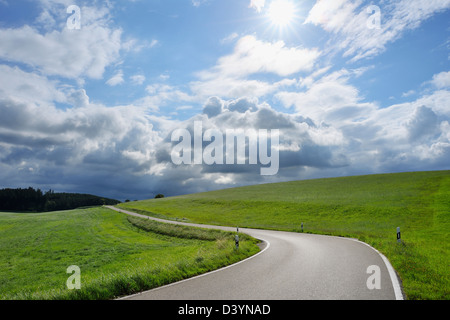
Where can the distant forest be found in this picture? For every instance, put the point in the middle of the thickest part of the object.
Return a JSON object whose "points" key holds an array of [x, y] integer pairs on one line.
{"points": [[31, 200]]}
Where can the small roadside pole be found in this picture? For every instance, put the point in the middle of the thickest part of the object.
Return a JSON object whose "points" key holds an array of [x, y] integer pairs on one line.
{"points": [[236, 240], [302, 227], [399, 238]]}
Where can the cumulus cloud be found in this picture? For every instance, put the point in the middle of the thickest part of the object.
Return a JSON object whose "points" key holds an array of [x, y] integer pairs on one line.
{"points": [[329, 98], [79, 98], [52, 134], [441, 80], [63, 52], [411, 135], [29, 87], [424, 123], [231, 87], [302, 143], [91, 139], [213, 107], [88, 144], [160, 94], [252, 56], [243, 105], [332, 130], [231, 76]]}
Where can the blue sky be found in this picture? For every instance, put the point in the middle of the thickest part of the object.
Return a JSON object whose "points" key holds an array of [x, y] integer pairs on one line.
{"points": [[92, 109]]}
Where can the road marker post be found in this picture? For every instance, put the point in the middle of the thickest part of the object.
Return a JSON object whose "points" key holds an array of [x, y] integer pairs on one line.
{"points": [[236, 240], [399, 237], [302, 227]]}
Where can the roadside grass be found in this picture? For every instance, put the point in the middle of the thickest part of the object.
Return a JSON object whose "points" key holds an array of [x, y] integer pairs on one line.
{"points": [[368, 208], [117, 254]]}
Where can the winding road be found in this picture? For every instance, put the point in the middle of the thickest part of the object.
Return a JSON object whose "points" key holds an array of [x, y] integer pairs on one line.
{"points": [[290, 266]]}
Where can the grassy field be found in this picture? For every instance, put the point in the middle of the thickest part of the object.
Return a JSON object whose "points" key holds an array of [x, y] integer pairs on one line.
{"points": [[117, 254], [369, 208]]}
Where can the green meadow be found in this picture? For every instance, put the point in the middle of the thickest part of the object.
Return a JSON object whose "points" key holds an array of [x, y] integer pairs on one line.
{"points": [[117, 254], [368, 208]]}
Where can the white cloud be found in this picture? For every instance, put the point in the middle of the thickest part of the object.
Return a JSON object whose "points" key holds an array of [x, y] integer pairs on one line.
{"points": [[79, 98], [330, 128], [138, 79], [257, 4], [229, 78], [329, 98], [441, 80], [213, 107], [94, 139], [253, 56], [198, 3], [135, 45], [164, 77], [423, 124], [100, 141], [230, 38], [161, 94], [348, 21], [28, 87], [234, 88], [63, 52], [408, 136], [116, 79], [408, 93], [332, 15]]}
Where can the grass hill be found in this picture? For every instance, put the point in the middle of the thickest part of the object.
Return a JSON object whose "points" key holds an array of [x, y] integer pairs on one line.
{"points": [[369, 208], [117, 254]]}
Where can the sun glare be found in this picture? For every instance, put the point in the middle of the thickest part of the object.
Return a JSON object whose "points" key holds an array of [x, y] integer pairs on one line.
{"points": [[281, 12]]}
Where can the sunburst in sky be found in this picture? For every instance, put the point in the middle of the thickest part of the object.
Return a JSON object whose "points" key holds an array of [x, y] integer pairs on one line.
{"points": [[281, 12]]}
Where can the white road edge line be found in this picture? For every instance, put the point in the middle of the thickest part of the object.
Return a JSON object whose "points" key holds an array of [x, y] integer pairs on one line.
{"points": [[393, 275], [188, 279], [200, 275]]}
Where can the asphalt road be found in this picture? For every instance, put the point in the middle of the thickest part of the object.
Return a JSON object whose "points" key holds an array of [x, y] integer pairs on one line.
{"points": [[291, 266]]}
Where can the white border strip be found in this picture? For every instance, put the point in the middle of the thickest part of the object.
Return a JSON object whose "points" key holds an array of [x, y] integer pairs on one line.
{"points": [[181, 223], [200, 275], [392, 274], [394, 279]]}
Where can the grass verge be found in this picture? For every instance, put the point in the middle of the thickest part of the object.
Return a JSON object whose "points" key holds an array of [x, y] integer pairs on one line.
{"points": [[117, 255], [368, 208]]}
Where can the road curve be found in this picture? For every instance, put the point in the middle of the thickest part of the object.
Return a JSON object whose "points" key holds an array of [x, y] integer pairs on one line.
{"points": [[292, 266]]}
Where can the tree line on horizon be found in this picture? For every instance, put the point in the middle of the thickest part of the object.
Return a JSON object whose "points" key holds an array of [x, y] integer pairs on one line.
{"points": [[34, 200]]}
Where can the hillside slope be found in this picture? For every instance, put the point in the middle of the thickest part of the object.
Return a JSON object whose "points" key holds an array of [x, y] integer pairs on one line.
{"points": [[369, 208], [116, 254]]}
